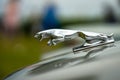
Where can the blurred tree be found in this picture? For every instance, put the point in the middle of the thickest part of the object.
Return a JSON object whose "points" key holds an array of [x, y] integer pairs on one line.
{"points": [[109, 14]]}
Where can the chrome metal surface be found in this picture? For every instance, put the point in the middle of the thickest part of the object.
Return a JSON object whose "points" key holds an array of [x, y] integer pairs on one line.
{"points": [[59, 35], [97, 63], [91, 39], [80, 48]]}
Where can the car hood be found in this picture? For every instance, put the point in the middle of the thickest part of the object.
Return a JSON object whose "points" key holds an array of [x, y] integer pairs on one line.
{"points": [[99, 63]]}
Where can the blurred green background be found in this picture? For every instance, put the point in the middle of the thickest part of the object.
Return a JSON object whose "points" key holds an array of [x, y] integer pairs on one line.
{"points": [[19, 52]]}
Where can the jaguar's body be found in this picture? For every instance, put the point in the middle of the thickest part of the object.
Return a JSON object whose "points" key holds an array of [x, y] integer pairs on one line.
{"points": [[60, 35]]}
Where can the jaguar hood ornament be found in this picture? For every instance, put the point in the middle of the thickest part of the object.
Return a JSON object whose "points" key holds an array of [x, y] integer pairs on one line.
{"points": [[56, 36]]}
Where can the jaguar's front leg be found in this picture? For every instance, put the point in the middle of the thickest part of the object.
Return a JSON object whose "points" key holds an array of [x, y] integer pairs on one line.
{"points": [[50, 43]]}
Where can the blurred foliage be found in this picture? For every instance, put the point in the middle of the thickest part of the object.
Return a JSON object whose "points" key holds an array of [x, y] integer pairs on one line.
{"points": [[18, 52], [79, 20]]}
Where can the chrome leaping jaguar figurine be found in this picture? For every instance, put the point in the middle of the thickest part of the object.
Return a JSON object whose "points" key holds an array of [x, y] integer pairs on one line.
{"points": [[60, 35]]}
